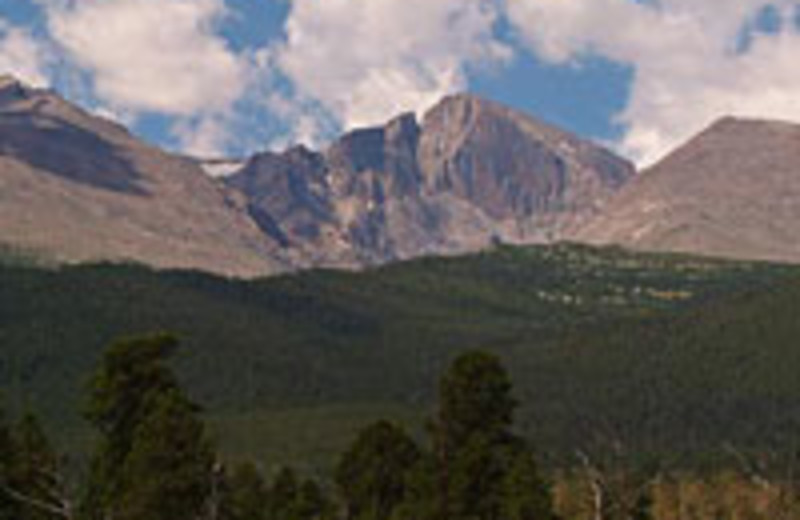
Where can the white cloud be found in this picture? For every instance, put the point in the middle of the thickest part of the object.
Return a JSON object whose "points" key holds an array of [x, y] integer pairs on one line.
{"points": [[22, 56], [151, 55], [367, 61], [206, 136], [688, 69], [308, 123], [160, 57]]}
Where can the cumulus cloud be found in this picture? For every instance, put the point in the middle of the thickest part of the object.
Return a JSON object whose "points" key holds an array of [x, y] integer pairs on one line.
{"points": [[151, 55], [308, 122], [22, 56], [206, 136], [689, 64], [351, 63], [366, 61]]}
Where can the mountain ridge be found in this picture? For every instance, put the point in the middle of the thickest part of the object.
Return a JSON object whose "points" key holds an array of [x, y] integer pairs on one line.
{"points": [[732, 191], [76, 187], [470, 173], [467, 174]]}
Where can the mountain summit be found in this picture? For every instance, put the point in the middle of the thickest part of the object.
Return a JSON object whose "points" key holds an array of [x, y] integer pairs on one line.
{"points": [[471, 173], [75, 187], [732, 191]]}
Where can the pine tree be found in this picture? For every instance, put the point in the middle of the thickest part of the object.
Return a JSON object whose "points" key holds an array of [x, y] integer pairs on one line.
{"points": [[37, 474], [482, 466], [475, 478], [167, 474], [422, 486], [311, 504], [475, 398], [32, 484], [9, 507], [290, 499], [132, 375], [372, 475], [153, 458], [283, 495], [526, 494], [247, 497]]}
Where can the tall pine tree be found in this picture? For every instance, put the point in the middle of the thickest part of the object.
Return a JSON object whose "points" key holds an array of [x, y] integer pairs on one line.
{"points": [[372, 475], [38, 477], [484, 470], [246, 494], [168, 472], [9, 507], [153, 459], [291, 499]]}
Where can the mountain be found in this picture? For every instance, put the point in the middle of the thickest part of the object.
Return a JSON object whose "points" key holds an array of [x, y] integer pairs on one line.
{"points": [[733, 191], [75, 187], [469, 174]]}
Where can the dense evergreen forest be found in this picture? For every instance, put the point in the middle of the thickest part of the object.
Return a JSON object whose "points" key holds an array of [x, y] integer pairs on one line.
{"points": [[678, 356], [645, 386], [153, 459]]}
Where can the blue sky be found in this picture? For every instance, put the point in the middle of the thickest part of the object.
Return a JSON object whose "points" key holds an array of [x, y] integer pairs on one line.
{"points": [[229, 77]]}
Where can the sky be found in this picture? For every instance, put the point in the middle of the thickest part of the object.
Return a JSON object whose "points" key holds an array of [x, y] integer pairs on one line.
{"points": [[231, 77]]}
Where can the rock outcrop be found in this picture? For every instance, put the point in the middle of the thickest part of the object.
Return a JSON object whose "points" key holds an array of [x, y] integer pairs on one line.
{"points": [[470, 174]]}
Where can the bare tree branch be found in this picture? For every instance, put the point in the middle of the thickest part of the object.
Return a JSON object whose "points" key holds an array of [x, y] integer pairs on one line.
{"points": [[63, 509]]}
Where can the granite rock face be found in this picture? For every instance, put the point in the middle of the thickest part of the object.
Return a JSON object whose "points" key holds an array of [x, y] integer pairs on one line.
{"points": [[75, 187], [733, 191], [470, 174]]}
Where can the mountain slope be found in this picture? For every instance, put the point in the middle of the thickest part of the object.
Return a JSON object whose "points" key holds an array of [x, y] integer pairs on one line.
{"points": [[676, 353], [733, 191], [74, 187], [471, 173]]}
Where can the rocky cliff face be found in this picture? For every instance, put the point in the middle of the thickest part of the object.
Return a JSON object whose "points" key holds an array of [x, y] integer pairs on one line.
{"points": [[733, 191], [512, 167], [470, 173], [75, 187], [473, 172]]}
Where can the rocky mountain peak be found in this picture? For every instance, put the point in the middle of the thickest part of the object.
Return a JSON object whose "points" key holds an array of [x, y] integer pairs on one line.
{"points": [[512, 166], [471, 172], [77, 187], [402, 129], [358, 150], [377, 162], [729, 127], [14, 91], [455, 112], [731, 191], [10, 83]]}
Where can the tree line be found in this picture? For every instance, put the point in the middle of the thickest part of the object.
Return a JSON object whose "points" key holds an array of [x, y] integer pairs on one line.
{"points": [[154, 460]]}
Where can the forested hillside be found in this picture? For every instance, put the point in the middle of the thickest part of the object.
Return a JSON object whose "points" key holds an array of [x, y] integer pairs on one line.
{"points": [[669, 354]]}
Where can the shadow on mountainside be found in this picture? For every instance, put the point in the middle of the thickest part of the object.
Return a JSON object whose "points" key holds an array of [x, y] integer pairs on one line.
{"points": [[69, 152]]}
